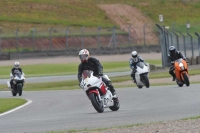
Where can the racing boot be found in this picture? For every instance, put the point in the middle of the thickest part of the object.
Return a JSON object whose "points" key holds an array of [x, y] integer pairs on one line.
{"points": [[173, 78], [173, 75], [134, 80], [133, 77]]}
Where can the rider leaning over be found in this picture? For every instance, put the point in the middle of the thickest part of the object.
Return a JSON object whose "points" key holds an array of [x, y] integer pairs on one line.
{"points": [[133, 61], [91, 63], [172, 56]]}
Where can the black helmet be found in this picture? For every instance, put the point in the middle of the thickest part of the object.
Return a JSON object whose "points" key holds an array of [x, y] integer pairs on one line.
{"points": [[172, 50]]}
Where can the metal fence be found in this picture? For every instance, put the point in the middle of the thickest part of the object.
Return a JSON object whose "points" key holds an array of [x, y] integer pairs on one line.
{"points": [[187, 43], [70, 37]]}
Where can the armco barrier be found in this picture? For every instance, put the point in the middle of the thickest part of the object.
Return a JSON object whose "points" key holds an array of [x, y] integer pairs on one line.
{"points": [[4, 56]]}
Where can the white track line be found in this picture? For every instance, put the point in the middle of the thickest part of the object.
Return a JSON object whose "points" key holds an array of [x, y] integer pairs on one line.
{"points": [[12, 110]]}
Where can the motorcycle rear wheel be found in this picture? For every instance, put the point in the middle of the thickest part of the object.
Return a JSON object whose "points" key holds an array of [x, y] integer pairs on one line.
{"points": [[97, 104]]}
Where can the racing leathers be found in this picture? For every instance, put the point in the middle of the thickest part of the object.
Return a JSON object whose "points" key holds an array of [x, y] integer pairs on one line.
{"points": [[171, 59], [132, 64], [94, 65]]}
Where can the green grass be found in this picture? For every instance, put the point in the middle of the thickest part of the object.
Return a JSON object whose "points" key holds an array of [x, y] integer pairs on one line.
{"points": [[10, 103], [61, 13], [191, 118], [66, 69], [74, 84], [153, 75], [15, 50]]}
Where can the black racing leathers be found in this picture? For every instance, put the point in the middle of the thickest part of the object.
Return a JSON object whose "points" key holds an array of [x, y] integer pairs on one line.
{"points": [[175, 56], [94, 65], [171, 59]]}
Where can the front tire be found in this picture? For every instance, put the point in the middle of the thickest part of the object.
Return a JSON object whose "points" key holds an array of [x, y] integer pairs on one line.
{"points": [[146, 81], [19, 88], [97, 104], [13, 91], [139, 86], [116, 105], [186, 79], [14, 94]]}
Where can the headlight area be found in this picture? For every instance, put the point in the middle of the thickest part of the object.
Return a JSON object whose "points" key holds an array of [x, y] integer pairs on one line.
{"points": [[181, 66], [18, 81]]}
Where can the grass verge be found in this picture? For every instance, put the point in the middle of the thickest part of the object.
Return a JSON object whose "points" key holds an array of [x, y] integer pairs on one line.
{"points": [[66, 69], [72, 85], [10, 103]]}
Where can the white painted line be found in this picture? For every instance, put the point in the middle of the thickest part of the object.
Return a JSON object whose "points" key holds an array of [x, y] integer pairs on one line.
{"points": [[12, 110]]}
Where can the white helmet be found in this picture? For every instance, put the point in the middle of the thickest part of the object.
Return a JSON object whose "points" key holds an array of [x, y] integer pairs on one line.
{"points": [[84, 55], [16, 64], [134, 55]]}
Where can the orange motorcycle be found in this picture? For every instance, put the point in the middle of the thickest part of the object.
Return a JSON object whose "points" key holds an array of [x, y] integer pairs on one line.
{"points": [[181, 72]]}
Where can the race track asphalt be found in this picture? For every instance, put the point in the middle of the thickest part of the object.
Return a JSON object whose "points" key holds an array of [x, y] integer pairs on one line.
{"points": [[71, 109]]}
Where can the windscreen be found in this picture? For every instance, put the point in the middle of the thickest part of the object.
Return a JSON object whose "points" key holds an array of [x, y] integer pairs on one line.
{"points": [[86, 74], [178, 60], [140, 64]]}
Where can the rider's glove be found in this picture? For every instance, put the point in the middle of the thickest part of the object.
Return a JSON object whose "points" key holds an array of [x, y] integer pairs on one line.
{"points": [[100, 74]]}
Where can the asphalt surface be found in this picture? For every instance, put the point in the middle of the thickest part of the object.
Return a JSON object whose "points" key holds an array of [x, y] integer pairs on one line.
{"points": [[71, 109]]}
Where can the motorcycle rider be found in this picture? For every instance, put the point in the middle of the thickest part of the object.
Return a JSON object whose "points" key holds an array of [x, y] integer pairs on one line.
{"points": [[172, 56], [133, 61], [16, 67], [91, 63]]}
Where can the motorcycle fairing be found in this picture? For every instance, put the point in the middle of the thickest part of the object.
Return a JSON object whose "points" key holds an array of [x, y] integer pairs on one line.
{"points": [[141, 69], [107, 99], [180, 68], [93, 84]]}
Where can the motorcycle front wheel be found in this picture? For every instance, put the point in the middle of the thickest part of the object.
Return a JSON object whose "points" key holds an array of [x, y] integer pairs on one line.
{"points": [[146, 81], [13, 93], [186, 79], [19, 88], [97, 104]]}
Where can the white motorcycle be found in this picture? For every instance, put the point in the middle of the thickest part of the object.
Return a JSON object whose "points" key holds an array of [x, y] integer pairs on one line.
{"points": [[142, 75], [98, 92], [18, 82]]}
